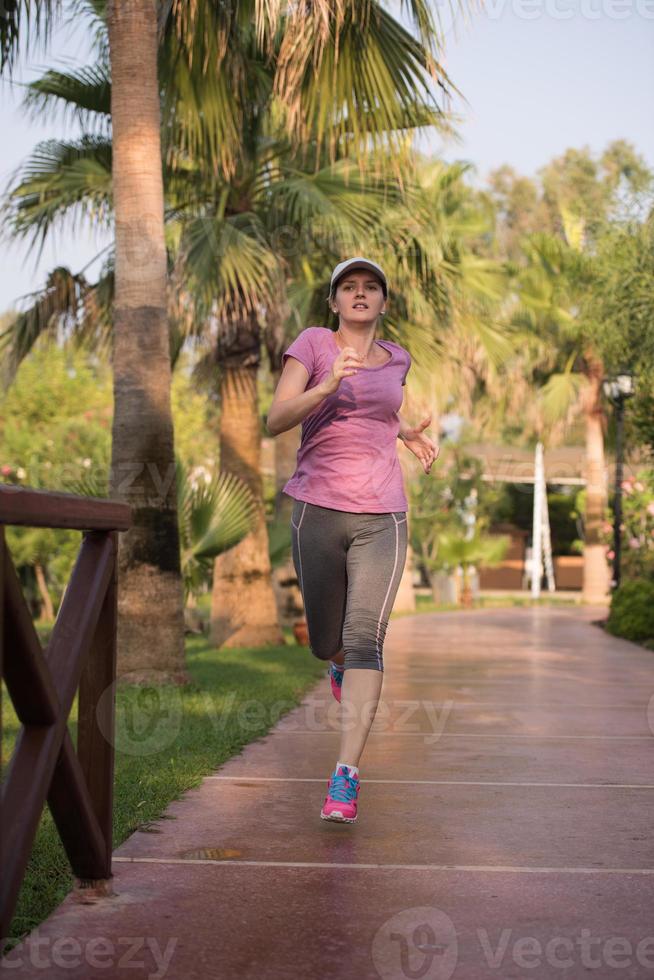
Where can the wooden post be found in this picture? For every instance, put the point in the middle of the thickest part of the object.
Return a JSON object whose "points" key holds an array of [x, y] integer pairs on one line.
{"points": [[96, 721]]}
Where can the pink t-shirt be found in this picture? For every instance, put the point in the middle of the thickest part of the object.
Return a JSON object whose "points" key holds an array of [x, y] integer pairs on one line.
{"points": [[347, 458]]}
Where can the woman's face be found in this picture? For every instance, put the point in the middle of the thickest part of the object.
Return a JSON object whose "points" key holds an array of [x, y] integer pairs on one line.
{"points": [[359, 296]]}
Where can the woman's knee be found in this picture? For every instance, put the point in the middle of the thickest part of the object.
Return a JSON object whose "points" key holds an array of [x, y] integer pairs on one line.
{"points": [[324, 651], [363, 643]]}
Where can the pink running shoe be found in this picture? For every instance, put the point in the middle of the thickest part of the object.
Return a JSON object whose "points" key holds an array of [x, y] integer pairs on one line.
{"points": [[341, 800], [336, 677]]}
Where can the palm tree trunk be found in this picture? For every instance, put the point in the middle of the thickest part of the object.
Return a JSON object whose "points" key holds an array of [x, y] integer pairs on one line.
{"points": [[243, 605], [48, 609], [286, 444], [596, 572], [285, 447], [150, 591], [466, 591]]}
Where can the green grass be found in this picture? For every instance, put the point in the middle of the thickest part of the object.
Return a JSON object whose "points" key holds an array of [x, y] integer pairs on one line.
{"points": [[425, 604], [173, 738], [500, 602]]}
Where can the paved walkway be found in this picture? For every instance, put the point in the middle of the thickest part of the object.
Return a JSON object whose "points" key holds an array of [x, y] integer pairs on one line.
{"points": [[505, 828]]}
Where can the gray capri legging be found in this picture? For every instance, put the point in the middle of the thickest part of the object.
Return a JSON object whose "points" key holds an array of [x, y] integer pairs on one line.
{"points": [[349, 568]]}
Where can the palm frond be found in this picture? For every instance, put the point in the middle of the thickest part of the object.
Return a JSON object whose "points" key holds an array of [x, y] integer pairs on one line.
{"points": [[229, 263], [25, 22], [94, 14], [83, 95], [215, 77], [60, 181], [560, 395], [67, 308], [213, 517], [374, 73], [58, 303], [336, 203]]}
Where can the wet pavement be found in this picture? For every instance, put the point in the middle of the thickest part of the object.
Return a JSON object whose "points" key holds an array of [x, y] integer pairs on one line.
{"points": [[505, 828]]}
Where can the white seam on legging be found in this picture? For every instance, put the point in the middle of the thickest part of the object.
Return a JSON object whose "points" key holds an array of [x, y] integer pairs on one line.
{"points": [[297, 526], [381, 615], [299, 550]]}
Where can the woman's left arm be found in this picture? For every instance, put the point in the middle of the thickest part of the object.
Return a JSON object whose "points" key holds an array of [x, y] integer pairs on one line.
{"points": [[420, 444]]}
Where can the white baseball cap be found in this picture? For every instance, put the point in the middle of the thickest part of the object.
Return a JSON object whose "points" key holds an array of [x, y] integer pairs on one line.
{"points": [[358, 263]]}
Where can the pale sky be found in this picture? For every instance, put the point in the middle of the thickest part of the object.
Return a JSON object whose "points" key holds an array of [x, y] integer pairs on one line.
{"points": [[540, 76]]}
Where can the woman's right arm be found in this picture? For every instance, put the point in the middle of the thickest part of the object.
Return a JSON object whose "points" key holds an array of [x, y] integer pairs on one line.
{"points": [[292, 403]]}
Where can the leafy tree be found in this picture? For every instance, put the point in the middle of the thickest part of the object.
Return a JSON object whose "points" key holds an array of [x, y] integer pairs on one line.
{"points": [[620, 307], [54, 431]]}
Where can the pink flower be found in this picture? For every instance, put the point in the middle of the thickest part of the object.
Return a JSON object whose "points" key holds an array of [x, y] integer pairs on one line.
{"points": [[638, 486], [626, 486], [6, 470], [606, 527], [610, 555], [634, 543]]}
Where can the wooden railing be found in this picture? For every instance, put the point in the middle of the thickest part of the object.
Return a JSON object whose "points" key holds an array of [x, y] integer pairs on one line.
{"points": [[81, 653]]}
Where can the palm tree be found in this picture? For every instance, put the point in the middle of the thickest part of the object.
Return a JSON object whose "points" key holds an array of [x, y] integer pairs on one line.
{"points": [[150, 597], [484, 550]]}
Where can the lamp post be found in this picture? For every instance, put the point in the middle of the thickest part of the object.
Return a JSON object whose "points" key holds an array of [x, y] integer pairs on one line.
{"points": [[618, 389]]}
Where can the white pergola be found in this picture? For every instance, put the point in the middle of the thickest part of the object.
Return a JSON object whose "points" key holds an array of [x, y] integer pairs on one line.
{"points": [[564, 467]]}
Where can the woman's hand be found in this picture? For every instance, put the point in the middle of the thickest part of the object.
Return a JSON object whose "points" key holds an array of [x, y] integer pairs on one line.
{"points": [[345, 364], [420, 444]]}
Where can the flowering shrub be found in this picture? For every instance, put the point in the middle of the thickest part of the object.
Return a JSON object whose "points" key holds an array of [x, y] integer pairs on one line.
{"points": [[637, 558]]}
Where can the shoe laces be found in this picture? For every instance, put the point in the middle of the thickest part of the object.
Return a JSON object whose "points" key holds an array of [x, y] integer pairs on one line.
{"points": [[343, 786]]}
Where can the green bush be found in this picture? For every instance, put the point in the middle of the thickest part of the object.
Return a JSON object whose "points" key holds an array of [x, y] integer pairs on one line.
{"points": [[632, 611]]}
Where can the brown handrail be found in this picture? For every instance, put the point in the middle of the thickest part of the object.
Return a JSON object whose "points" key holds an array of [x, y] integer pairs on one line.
{"points": [[24, 506], [81, 654]]}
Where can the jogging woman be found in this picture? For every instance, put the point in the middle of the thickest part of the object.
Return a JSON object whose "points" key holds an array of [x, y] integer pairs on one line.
{"points": [[349, 521]]}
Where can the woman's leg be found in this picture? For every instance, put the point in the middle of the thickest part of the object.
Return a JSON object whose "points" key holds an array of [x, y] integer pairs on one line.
{"points": [[375, 562], [319, 546]]}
